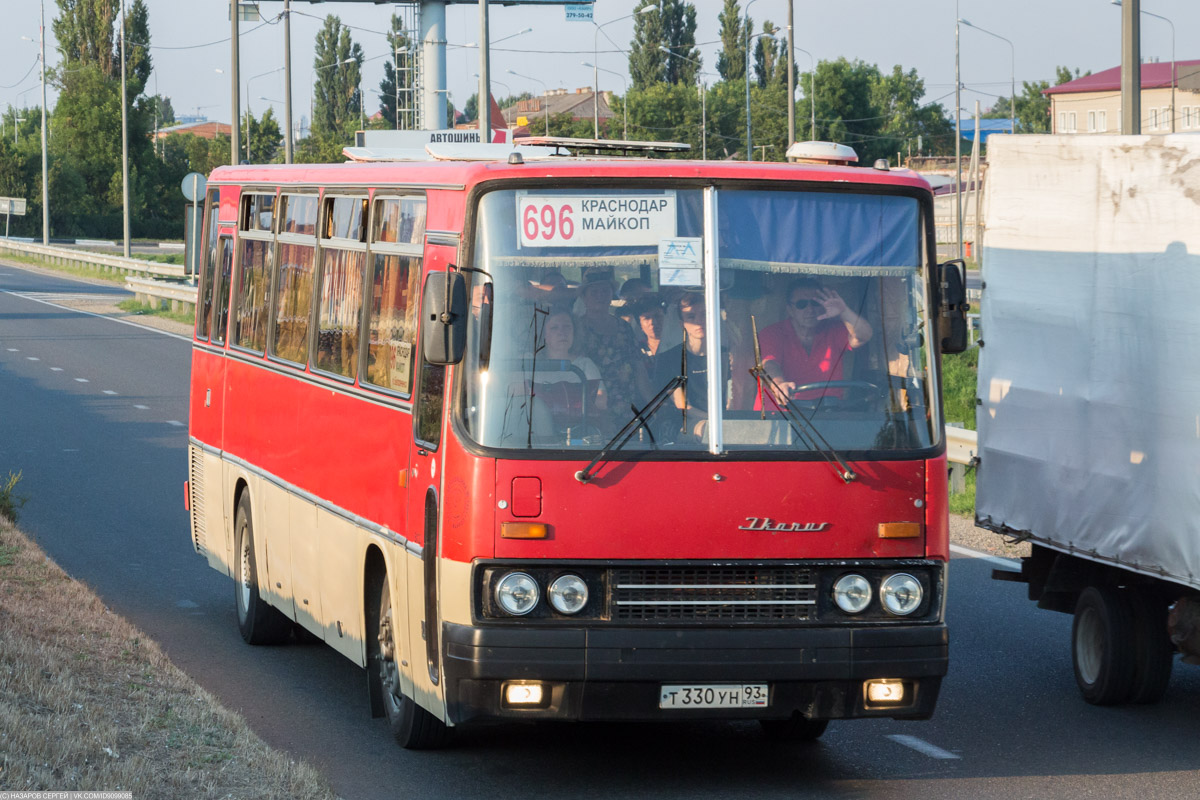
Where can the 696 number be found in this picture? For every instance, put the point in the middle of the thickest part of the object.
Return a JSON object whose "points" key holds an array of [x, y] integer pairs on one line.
{"points": [[547, 222]]}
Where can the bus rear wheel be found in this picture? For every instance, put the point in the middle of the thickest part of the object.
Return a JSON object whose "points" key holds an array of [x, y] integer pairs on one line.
{"points": [[413, 727], [258, 621]]}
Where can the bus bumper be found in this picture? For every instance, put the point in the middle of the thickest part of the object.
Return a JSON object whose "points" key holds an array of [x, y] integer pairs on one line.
{"points": [[619, 673]]}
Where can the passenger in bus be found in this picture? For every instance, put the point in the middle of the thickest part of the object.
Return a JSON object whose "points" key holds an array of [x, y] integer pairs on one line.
{"points": [[649, 318], [690, 360], [808, 346], [560, 362], [632, 292], [609, 342]]}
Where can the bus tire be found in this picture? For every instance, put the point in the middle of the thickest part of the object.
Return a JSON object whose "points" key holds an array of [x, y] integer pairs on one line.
{"points": [[1102, 642], [413, 727], [258, 621], [796, 728], [1153, 653]]}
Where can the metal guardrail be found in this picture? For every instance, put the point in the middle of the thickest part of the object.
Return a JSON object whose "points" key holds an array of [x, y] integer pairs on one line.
{"points": [[82, 258], [962, 445], [178, 296]]}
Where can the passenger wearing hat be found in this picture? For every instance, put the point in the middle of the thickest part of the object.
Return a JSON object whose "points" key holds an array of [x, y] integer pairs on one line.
{"points": [[609, 342]]}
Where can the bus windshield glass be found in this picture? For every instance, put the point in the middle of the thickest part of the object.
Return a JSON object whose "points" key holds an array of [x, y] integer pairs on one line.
{"points": [[597, 310]]}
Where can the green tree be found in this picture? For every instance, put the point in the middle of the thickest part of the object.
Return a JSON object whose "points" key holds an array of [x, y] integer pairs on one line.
{"points": [[397, 77], [1032, 106], [265, 138], [897, 99], [767, 56], [731, 61], [336, 101], [647, 62], [679, 27]]}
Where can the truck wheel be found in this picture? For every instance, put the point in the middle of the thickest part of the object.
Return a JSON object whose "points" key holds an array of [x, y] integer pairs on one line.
{"points": [[413, 727], [797, 728], [1153, 653], [258, 621], [1103, 643]]}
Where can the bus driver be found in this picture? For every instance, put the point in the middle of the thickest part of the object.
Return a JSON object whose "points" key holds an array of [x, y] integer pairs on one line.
{"points": [[807, 346]]}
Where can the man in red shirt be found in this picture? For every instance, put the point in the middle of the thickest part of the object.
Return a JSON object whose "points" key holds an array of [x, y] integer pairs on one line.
{"points": [[808, 345]]}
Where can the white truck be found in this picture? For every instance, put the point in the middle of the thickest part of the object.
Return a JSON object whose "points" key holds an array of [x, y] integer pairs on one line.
{"points": [[1088, 405]]}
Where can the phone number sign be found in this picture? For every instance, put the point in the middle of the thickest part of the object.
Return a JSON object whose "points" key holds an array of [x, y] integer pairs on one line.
{"points": [[561, 220]]}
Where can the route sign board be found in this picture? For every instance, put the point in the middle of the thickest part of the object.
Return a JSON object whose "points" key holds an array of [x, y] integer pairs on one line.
{"points": [[12, 205]]}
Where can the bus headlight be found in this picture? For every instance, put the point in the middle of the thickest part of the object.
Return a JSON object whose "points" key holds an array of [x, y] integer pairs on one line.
{"points": [[568, 594], [901, 594], [852, 593], [517, 593]]}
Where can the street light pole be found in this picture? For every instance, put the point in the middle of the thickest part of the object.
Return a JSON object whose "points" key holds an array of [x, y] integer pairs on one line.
{"points": [[545, 95], [1173, 80], [703, 92], [485, 88], [1012, 52], [287, 79], [624, 97], [812, 92], [791, 68], [125, 141], [45, 169], [234, 84], [958, 222], [596, 60]]}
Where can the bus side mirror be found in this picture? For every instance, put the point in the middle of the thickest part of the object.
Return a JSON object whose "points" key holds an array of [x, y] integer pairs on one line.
{"points": [[952, 313], [444, 318]]}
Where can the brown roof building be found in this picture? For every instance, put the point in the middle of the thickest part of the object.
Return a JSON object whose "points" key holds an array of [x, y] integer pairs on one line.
{"points": [[558, 101], [205, 130], [1092, 104]]}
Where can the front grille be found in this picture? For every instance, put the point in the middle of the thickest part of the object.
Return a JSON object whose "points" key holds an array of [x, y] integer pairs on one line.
{"points": [[713, 594]]}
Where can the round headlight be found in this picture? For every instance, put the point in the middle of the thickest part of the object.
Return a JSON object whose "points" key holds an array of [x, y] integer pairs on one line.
{"points": [[568, 594], [901, 594], [852, 593], [517, 593]]}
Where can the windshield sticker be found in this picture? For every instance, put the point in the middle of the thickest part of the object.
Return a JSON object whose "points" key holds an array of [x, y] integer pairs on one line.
{"points": [[679, 261], [558, 220]]}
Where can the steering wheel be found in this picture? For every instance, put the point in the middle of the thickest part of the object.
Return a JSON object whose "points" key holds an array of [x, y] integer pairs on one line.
{"points": [[865, 392]]}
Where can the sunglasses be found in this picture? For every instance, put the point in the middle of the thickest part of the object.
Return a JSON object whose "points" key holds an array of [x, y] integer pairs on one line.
{"points": [[803, 304]]}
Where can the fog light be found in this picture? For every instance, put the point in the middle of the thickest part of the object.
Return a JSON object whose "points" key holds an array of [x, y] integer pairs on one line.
{"points": [[901, 594], [523, 694], [517, 593], [852, 593], [888, 691], [568, 594]]}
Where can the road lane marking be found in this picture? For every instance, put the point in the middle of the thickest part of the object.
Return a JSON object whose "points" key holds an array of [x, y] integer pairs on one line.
{"points": [[176, 423], [56, 369], [109, 391], [81, 380], [30, 296], [922, 746], [970, 552], [186, 604], [32, 358], [141, 408], [13, 350]]}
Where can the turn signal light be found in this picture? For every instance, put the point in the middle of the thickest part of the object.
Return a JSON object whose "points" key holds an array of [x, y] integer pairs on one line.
{"points": [[899, 530], [524, 530]]}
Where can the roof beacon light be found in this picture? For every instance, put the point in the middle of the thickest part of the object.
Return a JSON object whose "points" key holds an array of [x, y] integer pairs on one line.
{"points": [[822, 153]]}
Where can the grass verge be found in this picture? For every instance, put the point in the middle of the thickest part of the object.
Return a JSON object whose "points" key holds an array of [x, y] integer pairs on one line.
{"points": [[89, 703], [140, 309]]}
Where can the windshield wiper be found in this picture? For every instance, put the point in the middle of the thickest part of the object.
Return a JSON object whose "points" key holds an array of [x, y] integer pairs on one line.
{"points": [[640, 419], [801, 425]]}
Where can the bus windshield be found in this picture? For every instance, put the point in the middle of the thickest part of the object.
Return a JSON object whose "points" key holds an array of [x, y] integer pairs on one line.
{"points": [[600, 309]]}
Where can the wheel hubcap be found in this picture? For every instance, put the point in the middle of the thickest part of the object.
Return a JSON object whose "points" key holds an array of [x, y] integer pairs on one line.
{"points": [[244, 579], [389, 674], [1089, 641]]}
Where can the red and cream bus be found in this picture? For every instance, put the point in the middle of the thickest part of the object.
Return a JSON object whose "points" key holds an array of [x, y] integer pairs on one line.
{"points": [[423, 430]]}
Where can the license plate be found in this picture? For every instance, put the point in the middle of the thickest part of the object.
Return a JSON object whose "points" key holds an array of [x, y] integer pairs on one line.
{"points": [[714, 695]]}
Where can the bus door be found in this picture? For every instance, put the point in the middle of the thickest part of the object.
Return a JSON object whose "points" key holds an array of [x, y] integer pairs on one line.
{"points": [[425, 503]]}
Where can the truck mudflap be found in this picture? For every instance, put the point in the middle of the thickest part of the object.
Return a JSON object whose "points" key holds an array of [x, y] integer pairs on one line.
{"points": [[620, 673]]}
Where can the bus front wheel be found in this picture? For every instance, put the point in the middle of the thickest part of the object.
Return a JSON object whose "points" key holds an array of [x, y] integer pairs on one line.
{"points": [[413, 727], [258, 621]]}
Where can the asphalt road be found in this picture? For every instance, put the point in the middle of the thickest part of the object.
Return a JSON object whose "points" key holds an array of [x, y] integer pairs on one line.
{"points": [[94, 413]]}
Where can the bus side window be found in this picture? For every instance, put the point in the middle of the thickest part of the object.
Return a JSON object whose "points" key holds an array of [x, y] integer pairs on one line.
{"points": [[397, 230], [343, 264], [254, 273], [293, 292], [221, 289], [208, 266]]}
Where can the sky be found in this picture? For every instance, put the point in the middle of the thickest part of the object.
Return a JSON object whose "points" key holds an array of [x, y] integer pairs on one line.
{"points": [[190, 42]]}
